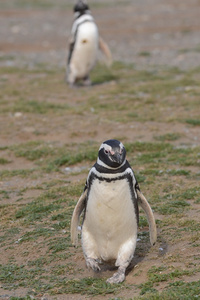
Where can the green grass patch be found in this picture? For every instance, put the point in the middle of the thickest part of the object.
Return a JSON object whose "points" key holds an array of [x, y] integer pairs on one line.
{"points": [[90, 286], [4, 161], [102, 74], [35, 234], [9, 235], [50, 157], [162, 274], [184, 156], [36, 4], [147, 147], [194, 122], [190, 193], [168, 137], [21, 298], [13, 274], [59, 244], [143, 221], [178, 172], [33, 150], [71, 159], [166, 169], [153, 157], [36, 210], [5, 194], [33, 106], [176, 291], [172, 206], [189, 225], [21, 172], [144, 53], [2, 148], [56, 203]]}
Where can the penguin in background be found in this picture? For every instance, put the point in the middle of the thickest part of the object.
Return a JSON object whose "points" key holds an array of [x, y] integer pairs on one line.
{"points": [[84, 46], [110, 204]]}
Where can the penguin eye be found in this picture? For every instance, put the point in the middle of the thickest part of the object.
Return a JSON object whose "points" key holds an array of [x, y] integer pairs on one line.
{"points": [[106, 151]]}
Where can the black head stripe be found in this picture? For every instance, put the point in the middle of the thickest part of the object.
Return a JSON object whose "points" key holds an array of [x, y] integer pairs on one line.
{"points": [[112, 143], [112, 153], [105, 170], [81, 8]]}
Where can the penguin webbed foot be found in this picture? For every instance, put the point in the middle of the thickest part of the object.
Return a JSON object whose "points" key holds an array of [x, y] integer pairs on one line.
{"points": [[92, 264], [118, 277]]}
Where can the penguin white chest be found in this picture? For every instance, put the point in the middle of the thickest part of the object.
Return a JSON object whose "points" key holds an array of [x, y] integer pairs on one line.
{"points": [[85, 50], [110, 216]]}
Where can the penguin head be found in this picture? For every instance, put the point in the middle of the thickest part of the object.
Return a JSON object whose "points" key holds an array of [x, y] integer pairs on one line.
{"points": [[81, 8], [112, 153]]}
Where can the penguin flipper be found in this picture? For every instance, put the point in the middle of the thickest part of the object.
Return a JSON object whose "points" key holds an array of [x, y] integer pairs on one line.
{"points": [[150, 217], [71, 48], [106, 51], [76, 216]]}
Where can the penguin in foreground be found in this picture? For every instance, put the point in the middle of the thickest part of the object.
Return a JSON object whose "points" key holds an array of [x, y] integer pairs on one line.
{"points": [[85, 43], [111, 215]]}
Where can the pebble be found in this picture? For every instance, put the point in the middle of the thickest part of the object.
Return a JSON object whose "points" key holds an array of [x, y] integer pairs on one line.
{"points": [[69, 170], [18, 114]]}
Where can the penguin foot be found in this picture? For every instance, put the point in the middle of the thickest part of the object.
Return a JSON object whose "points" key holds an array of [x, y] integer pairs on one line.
{"points": [[118, 277], [87, 81], [93, 264]]}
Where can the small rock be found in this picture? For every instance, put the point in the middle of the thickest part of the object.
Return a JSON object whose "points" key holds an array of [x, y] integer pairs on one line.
{"points": [[18, 114], [69, 170]]}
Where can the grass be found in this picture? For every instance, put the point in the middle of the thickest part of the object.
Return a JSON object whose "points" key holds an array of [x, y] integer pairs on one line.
{"points": [[152, 92], [33, 4], [35, 210], [49, 4], [33, 150], [20, 172], [37, 197], [4, 161], [172, 136], [91, 286], [193, 122], [176, 290], [159, 274]]}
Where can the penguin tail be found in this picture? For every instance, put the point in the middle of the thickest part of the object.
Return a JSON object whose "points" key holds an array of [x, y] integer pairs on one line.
{"points": [[106, 51], [75, 218], [150, 217]]}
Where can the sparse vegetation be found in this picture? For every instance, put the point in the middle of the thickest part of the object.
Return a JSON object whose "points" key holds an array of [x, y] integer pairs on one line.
{"points": [[50, 139], [158, 165]]}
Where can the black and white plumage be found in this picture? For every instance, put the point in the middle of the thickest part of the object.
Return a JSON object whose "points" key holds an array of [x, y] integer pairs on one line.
{"points": [[110, 204], [84, 45]]}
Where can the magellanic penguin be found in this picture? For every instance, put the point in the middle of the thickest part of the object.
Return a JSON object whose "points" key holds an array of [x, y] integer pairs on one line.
{"points": [[111, 215], [85, 43]]}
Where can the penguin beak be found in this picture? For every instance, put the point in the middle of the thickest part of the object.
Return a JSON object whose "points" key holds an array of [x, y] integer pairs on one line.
{"points": [[118, 157]]}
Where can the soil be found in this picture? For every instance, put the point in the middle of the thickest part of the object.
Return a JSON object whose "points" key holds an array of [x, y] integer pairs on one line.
{"points": [[151, 33], [169, 32]]}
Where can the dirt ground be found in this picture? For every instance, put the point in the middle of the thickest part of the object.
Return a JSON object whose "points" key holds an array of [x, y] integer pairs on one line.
{"points": [[149, 34], [146, 33], [169, 31]]}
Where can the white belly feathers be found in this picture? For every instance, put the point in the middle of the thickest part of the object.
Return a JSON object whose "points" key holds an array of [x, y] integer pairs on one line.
{"points": [[86, 49], [110, 216]]}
